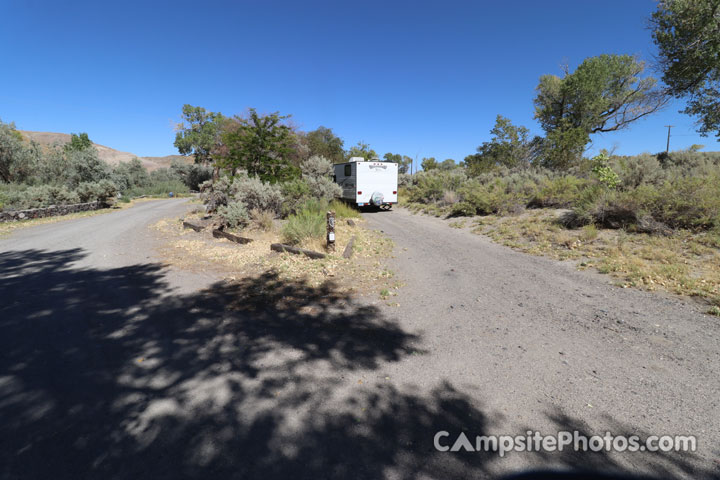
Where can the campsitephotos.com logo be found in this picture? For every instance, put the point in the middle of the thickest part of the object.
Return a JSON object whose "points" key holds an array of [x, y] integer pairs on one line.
{"points": [[563, 440]]}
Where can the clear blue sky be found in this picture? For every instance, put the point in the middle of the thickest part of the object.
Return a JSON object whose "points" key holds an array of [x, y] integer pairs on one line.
{"points": [[415, 77]]}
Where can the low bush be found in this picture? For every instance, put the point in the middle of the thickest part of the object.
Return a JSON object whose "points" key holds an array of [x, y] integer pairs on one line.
{"points": [[103, 191], [258, 195], [559, 192], [689, 202], [323, 188], [160, 188], [307, 223], [216, 194], [463, 209], [234, 215], [295, 192]]}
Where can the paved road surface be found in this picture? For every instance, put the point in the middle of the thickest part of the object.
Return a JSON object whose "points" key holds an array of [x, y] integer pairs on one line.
{"points": [[112, 366]]}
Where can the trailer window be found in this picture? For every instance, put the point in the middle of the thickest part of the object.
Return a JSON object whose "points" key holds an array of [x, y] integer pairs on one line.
{"points": [[348, 170]]}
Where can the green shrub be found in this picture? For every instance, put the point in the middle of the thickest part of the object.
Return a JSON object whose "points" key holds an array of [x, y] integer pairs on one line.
{"points": [[463, 209], [38, 196], [218, 193], [323, 187], [305, 224], [192, 175], [130, 174], [160, 188], [604, 173], [85, 166], [689, 203], [102, 191], [560, 192], [638, 170], [234, 215], [430, 186], [295, 193], [491, 198], [258, 195]]}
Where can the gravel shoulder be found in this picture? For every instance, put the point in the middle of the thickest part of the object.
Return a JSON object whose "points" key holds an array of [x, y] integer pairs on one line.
{"points": [[540, 341]]}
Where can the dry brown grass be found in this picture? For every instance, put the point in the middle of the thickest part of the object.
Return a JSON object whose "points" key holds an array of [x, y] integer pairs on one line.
{"points": [[685, 263], [364, 273]]}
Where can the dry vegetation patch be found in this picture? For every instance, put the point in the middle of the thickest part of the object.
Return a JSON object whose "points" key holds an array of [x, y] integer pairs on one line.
{"points": [[683, 262], [364, 273]]}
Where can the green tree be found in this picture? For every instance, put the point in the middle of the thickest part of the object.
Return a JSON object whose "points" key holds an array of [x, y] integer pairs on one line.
{"points": [[84, 166], [403, 161], [687, 33], [78, 142], [428, 164], [604, 94], [130, 174], [447, 164], [323, 142], [510, 146], [361, 150], [199, 134], [17, 160], [262, 145]]}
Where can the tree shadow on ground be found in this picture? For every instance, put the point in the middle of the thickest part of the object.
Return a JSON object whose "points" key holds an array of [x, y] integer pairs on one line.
{"points": [[104, 374], [107, 374]]}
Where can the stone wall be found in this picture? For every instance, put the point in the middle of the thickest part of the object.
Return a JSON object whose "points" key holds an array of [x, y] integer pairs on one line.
{"points": [[51, 211]]}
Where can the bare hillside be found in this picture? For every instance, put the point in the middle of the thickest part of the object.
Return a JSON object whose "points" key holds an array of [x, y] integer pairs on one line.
{"points": [[109, 155]]}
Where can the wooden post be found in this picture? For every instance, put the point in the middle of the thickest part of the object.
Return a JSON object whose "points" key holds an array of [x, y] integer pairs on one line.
{"points": [[331, 231]]}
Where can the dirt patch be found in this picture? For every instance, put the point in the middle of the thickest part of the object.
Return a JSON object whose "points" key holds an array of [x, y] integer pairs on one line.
{"points": [[364, 273]]}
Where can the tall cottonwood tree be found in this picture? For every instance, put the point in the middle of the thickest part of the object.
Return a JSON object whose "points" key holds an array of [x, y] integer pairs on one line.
{"points": [[604, 94], [687, 33], [199, 135]]}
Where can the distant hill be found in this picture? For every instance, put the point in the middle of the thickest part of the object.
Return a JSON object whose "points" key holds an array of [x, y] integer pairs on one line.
{"points": [[109, 155]]}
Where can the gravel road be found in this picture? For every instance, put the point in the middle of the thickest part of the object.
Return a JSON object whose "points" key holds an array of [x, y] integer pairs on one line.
{"points": [[546, 347], [114, 366]]}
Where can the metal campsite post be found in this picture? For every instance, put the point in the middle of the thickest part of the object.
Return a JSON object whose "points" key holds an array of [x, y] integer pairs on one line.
{"points": [[331, 231]]}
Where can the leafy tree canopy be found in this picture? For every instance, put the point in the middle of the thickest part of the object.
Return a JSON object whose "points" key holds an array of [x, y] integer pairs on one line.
{"points": [[262, 145], [78, 142], [687, 33], [509, 146], [16, 158], [199, 133], [361, 150], [604, 94], [323, 142], [447, 164], [429, 164], [403, 161]]}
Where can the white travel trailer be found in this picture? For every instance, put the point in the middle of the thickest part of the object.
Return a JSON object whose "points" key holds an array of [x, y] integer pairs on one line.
{"points": [[368, 183]]}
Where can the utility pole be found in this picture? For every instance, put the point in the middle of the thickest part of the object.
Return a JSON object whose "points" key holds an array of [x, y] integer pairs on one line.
{"points": [[667, 149]]}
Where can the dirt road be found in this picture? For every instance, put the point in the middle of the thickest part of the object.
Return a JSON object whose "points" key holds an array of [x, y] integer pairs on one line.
{"points": [[113, 366], [543, 346]]}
